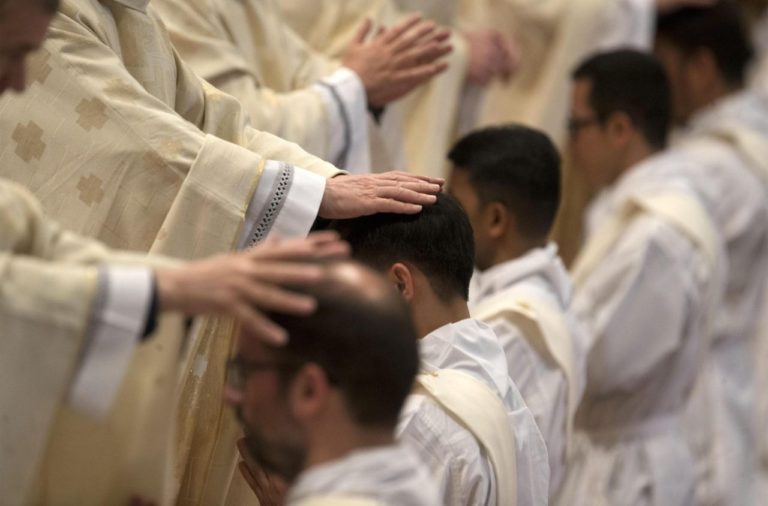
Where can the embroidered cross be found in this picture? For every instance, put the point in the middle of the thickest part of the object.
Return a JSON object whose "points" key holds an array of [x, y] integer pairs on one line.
{"points": [[38, 68], [90, 190], [29, 141], [92, 114]]}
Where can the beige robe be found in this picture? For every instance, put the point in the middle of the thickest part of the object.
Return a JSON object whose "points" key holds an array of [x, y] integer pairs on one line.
{"points": [[120, 140], [245, 49], [424, 122], [49, 281]]}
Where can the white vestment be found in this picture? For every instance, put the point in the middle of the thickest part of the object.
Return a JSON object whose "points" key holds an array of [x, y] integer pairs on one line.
{"points": [[734, 186], [537, 276], [294, 92], [387, 476], [463, 473], [646, 299]]}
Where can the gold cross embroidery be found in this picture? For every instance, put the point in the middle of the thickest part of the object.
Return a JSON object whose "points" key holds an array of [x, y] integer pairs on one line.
{"points": [[90, 190], [29, 141], [92, 114]]}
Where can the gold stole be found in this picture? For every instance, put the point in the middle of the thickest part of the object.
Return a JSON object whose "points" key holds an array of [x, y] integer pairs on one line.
{"points": [[479, 410]]}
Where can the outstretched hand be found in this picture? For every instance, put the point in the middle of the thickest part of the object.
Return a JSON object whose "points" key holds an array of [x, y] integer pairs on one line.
{"points": [[351, 196], [245, 284], [396, 60], [492, 55]]}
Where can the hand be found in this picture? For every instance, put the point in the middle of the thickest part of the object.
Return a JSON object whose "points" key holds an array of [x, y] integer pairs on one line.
{"points": [[396, 60], [491, 55], [391, 192], [269, 489], [670, 5], [244, 284]]}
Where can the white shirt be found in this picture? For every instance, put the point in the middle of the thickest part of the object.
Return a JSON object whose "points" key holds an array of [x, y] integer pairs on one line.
{"points": [[538, 275], [646, 306], [463, 473], [736, 199], [391, 475]]}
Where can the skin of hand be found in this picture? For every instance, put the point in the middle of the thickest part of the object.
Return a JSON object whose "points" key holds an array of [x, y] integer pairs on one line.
{"points": [[351, 196], [670, 5], [269, 489], [244, 284], [396, 60], [491, 55]]}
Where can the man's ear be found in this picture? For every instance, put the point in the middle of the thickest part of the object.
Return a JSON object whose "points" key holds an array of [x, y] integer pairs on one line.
{"points": [[309, 392], [402, 277], [620, 128], [496, 219]]}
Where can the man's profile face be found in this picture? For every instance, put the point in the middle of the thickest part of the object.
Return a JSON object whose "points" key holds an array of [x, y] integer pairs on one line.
{"points": [[465, 194], [273, 435], [589, 144], [23, 26]]}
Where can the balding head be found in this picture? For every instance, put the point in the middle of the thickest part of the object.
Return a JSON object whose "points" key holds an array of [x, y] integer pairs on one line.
{"points": [[362, 336]]}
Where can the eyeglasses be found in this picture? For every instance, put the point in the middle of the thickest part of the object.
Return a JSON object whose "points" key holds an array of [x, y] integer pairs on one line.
{"points": [[239, 369], [576, 124]]}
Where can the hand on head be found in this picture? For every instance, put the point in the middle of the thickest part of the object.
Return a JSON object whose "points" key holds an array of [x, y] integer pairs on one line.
{"points": [[395, 60], [244, 284], [390, 192]]}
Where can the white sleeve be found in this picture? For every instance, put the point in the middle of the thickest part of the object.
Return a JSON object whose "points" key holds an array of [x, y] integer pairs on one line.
{"points": [[285, 203], [347, 105], [628, 23], [118, 321]]}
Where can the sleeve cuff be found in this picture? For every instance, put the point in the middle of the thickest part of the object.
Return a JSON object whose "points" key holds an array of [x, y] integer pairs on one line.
{"points": [[124, 297], [286, 203], [347, 105]]}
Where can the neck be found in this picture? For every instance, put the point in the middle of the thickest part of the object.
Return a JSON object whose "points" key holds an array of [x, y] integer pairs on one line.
{"points": [[717, 91], [342, 437], [636, 153], [513, 249], [435, 313]]}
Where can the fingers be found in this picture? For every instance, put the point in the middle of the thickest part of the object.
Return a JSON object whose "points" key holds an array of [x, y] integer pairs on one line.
{"points": [[423, 55], [267, 297], [391, 34], [257, 325], [413, 36], [317, 246], [363, 31], [400, 176]]}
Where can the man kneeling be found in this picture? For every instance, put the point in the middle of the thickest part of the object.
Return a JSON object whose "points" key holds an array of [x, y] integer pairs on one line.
{"points": [[321, 411]]}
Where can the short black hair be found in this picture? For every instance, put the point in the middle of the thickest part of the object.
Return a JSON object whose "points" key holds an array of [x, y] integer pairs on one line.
{"points": [[517, 166], [366, 343], [438, 241], [634, 83], [721, 28], [49, 6]]}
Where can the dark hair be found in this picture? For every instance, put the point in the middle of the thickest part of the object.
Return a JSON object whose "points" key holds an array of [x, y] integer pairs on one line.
{"points": [[517, 166], [49, 6], [363, 339], [720, 28], [634, 83], [438, 241]]}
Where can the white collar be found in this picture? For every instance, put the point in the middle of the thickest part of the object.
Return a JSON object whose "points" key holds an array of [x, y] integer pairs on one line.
{"points": [[542, 264], [469, 346]]}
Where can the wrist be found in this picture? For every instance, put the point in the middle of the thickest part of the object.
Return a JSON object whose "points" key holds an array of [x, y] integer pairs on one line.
{"points": [[168, 290]]}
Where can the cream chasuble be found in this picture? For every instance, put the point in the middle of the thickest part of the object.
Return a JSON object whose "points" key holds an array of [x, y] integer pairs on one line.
{"points": [[425, 121], [244, 48], [120, 140], [49, 284]]}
